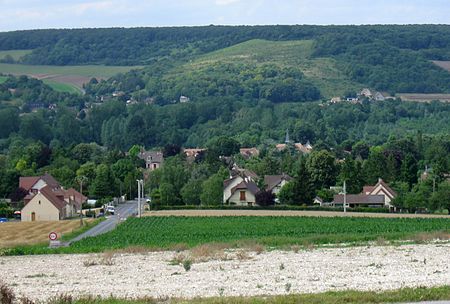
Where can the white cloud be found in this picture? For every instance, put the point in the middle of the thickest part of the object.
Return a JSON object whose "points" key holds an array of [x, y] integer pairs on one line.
{"points": [[31, 14], [226, 2]]}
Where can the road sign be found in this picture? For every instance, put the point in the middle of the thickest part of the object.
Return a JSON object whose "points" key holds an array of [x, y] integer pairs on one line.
{"points": [[52, 236]]}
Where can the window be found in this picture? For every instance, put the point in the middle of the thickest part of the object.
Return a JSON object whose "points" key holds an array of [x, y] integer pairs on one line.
{"points": [[242, 196]]}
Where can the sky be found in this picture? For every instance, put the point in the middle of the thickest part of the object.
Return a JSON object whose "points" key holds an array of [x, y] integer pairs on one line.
{"points": [[34, 14]]}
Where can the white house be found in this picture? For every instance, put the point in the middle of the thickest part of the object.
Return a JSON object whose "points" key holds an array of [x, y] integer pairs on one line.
{"points": [[244, 193], [274, 183], [381, 188], [45, 206], [47, 200], [230, 184], [184, 99], [153, 159]]}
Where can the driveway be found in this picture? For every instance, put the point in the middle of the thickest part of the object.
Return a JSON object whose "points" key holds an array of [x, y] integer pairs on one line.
{"points": [[123, 211]]}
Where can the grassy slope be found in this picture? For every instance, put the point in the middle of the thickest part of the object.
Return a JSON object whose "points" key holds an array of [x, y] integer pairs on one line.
{"points": [[15, 54], [323, 72], [63, 87], [3, 79]]}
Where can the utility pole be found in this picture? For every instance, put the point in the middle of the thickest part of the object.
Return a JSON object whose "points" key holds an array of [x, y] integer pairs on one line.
{"points": [[345, 197], [81, 179]]}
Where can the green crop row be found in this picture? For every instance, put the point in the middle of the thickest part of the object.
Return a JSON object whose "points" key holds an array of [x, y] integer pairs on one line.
{"points": [[164, 232], [167, 232]]}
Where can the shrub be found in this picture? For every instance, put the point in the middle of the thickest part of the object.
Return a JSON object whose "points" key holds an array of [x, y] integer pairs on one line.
{"points": [[187, 263]]}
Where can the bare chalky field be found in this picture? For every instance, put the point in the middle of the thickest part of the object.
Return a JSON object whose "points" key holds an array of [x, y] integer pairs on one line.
{"points": [[230, 273]]}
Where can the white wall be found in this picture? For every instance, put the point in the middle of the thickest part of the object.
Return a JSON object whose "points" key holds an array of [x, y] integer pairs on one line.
{"points": [[227, 191], [236, 198], [45, 210]]}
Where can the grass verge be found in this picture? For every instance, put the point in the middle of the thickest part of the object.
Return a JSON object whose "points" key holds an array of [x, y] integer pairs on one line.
{"points": [[86, 227], [7, 295]]}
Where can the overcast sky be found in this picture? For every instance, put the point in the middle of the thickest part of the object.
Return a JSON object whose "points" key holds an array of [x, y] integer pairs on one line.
{"points": [[32, 14]]}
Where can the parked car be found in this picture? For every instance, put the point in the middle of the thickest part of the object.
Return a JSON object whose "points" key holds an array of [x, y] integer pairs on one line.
{"points": [[110, 209], [17, 215], [3, 220]]}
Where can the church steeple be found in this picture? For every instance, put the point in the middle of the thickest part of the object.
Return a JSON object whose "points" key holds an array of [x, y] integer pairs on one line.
{"points": [[286, 140]]}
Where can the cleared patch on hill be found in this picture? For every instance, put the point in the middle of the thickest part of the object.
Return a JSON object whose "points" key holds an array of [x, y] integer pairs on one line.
{"points": [[322, 72], [71, 76], [15, 54], [443, 64], [424, 97]]}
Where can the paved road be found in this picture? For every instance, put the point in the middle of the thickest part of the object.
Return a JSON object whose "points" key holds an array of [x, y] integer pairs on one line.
{"points": [[123, 211]]}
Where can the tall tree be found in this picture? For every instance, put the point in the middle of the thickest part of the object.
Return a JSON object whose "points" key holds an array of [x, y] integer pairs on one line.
{"points": [[322, 167], [408, 170]]}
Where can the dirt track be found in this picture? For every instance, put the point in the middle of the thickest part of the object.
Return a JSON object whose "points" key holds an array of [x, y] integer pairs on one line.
{"points": [[285, 213]]}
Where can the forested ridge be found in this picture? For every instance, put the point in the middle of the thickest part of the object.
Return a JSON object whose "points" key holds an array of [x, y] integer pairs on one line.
{"points": [[394, 58]]}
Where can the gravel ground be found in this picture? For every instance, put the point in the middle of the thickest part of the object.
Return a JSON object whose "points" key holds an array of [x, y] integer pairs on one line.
{"points": [[268, 273]]}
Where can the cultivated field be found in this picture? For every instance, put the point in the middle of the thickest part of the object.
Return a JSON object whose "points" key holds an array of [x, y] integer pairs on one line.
{"points": [[286, 213], [73, 76], [424, 97], [231, 273], [240, 231], [443, 64], [29, 233]]}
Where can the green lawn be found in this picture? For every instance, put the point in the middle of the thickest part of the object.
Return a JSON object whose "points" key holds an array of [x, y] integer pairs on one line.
{"points": [[278, 232], [3, 79]]}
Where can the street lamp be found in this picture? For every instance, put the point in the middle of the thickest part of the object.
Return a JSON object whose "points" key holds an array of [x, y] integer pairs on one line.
{"points": [[140, 183], [345, 197]]}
